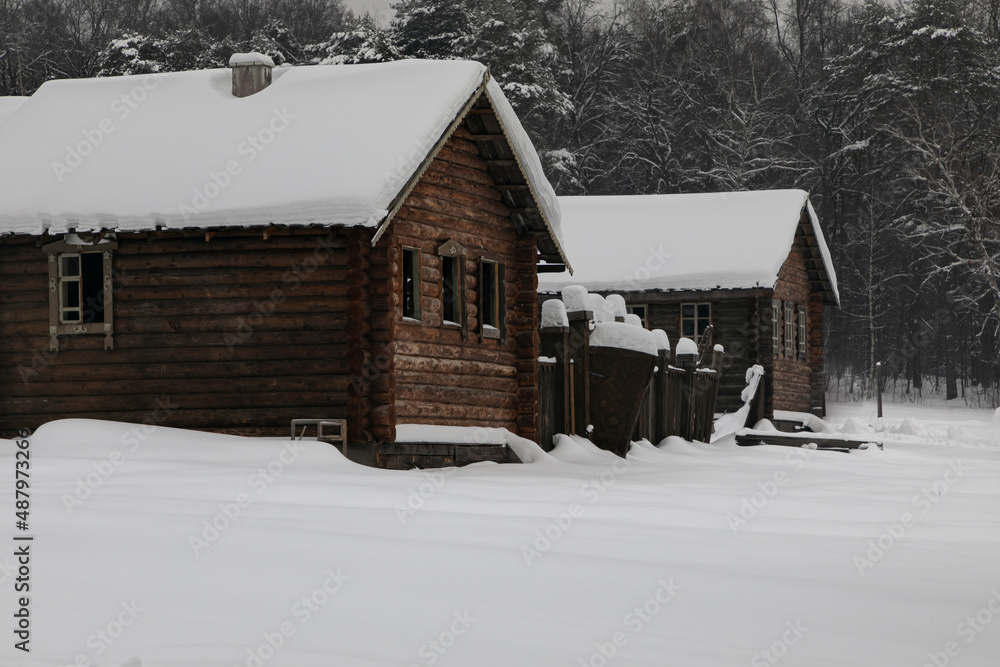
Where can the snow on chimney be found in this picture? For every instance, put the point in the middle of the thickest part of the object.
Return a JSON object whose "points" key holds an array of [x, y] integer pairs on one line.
{"points": [[251, 73]]}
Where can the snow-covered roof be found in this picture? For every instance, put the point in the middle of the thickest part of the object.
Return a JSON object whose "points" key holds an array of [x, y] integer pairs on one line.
{"points": [[8, 105], [320, 145], [735, 240]]}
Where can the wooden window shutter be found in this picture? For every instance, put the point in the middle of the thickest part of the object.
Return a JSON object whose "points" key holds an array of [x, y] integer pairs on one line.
{"points": [[776, 326], [502, 301], [463, 312], [480, 326], [803, 336]]}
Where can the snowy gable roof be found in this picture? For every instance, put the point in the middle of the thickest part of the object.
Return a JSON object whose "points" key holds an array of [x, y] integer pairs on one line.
{"points": [[8, 105], [736, 240], [320, 145]]}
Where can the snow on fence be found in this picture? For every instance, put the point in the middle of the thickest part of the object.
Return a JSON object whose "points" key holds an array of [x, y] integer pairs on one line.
{"points": [[605, 378]]}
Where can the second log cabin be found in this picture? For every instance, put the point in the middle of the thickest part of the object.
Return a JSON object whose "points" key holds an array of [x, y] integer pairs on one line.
{"points": [[753, 265]]}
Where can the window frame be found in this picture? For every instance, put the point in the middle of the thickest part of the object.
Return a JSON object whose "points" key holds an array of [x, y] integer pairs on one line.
{"points": [[803, 340], [58, 326], [414, 281], [486, 329], [454, 250], [790, 327], [776, 326], [696, 304], [451, 285]]}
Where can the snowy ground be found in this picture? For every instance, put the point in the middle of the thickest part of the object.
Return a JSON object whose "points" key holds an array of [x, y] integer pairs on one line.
{"points": [[690, 555]]}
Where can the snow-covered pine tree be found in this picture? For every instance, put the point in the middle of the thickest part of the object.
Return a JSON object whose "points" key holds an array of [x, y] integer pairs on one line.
{"points": [[363, 41], [507, 35]]}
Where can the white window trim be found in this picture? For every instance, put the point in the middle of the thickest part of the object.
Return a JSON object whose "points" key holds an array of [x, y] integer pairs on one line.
{"points": [[57, 327]]}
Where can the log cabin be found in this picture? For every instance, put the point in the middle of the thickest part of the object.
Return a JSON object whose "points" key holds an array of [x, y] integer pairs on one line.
{"points": [[254, 245], [754, 265]]}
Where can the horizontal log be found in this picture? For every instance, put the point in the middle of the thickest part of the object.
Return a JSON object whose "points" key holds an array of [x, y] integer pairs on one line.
{"points": [[448, 180], [38, 339], [472, 351], [306, 260], [199, 276], [457, 170], [230, 325], [306, 353], [408, 412], [463, 381], [237, 289], [64, 369], [14, 405], [452, 397], [224, 241], [417, 364], [435, 201], [455, 155], [414, 225], [249, 389]]}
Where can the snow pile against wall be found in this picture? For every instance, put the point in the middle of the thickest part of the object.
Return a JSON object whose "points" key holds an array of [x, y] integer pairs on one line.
{"points": [[460, 435], [623, 336], [383, 558], [735, 240]]}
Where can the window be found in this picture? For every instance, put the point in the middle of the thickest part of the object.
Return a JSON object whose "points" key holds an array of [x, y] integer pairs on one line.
{"points": [[803, 333], [789, 330], [451, 291], [775, 326], [411, 283], [695, 318], [489, 310], [80, 288], [453, 311], [492, 309], [640, 310]]}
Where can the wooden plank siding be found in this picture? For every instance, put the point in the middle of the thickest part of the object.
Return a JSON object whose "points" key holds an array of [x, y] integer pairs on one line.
{"points": [[442, 375], [238, 334]]}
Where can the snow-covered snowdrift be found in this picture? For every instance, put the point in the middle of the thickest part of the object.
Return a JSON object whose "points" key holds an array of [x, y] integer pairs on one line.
{"points": [[192, 549]]}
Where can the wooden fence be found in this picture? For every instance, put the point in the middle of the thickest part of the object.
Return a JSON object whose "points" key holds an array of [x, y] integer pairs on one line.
{"points": [[573, 396]]}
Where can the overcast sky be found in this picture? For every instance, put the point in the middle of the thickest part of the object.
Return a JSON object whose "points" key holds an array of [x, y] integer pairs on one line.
{"points": [[362, 6]]}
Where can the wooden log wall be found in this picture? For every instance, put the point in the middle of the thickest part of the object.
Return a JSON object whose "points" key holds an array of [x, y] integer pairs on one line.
{"points": [[240, 333], [526, 337], [817, 366], [792, 374], [441, 376], [732, 318]]}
